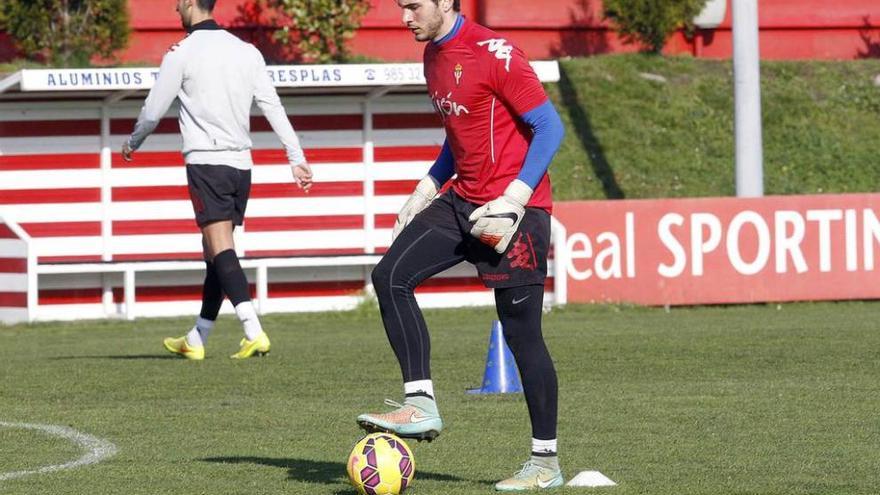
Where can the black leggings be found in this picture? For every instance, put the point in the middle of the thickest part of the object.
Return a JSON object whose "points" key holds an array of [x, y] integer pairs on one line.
{"points": [[421, 252], [520, 309]]}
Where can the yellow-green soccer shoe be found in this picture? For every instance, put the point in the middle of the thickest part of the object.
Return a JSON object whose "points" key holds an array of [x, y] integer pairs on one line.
{"points": [[181, 348], [259, 347]]}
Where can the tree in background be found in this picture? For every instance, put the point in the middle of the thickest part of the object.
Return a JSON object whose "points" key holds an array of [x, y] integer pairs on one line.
{"points": [[66, 32], [321, 27], [650, 22]]}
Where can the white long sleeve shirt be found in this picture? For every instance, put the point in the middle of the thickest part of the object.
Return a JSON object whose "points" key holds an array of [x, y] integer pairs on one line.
{"points": [[217, 77]]}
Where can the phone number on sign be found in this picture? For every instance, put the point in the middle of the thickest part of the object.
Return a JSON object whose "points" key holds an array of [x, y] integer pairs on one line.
{"points": [[397, 74]]}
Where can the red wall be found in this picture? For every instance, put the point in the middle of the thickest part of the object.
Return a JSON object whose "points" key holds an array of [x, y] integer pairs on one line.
{"points": [[790, 29]]}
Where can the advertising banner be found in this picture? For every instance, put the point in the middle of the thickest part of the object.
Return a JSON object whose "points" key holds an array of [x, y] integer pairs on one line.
{"points": [[283, 76], [723, 250]]}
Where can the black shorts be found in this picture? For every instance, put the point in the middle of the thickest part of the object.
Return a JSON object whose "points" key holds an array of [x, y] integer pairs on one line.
{"points": [[524, 262], [218, 192]]}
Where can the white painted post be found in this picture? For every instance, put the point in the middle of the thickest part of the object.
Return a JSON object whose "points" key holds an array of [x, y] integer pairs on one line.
{"points": [[106, 186], [128, 289], [369, 184], [262, 288], [369, 158], [747, 100], [33, 287], [106, 201], [107, 294]]}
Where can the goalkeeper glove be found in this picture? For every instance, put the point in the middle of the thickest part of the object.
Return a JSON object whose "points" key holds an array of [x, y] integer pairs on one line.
{"points": [[497, 220], [418, 201]]}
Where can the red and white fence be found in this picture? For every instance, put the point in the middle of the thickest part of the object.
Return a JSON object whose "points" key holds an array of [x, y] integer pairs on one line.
{"points": [[77, 210], [17, 274]]}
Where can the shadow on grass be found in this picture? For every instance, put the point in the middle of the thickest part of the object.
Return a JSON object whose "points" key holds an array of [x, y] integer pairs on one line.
{"points": [[580, 119], [123, 357], [328, 473]]}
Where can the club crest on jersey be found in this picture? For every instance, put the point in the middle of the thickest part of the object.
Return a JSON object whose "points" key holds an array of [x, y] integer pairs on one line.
{"points": [[446, 106], [501, 50], [457, 73]]}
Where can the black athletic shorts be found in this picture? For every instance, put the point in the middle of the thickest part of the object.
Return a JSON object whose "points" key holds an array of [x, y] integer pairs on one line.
{"points": [[524, 262], [218, 192]]}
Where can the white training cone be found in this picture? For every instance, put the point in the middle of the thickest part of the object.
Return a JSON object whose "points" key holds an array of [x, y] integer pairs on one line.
{"points": [[590, 478]]}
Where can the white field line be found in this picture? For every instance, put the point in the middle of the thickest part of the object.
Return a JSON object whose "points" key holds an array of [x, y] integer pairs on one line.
{"points": [[96, 448]]}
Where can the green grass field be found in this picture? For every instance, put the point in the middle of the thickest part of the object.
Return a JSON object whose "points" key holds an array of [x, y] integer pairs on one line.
{"points": [[632, 137], [715, 400]]}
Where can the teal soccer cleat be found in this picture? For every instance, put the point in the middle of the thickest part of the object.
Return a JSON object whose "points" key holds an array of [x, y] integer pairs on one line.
{"points": [[416, 418], [532, 476]]}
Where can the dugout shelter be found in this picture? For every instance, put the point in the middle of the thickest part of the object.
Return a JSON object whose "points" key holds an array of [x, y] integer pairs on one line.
{"points": [[84, 234]]}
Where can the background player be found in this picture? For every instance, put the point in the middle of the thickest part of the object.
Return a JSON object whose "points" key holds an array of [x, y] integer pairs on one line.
{"points": [[501, 134], [217, 77]]}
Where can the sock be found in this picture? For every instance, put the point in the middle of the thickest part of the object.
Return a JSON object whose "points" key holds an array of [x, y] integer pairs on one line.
{"points": [[551, 462], [212, 293], [198, 336], [543, 447], [544, 453], [204, 326], [231, 277], [248, 317], [193, 339], [423, 388]]}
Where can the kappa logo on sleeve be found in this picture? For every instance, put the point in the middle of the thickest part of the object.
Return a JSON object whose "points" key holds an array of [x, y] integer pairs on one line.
{"points": [[501, 50]]}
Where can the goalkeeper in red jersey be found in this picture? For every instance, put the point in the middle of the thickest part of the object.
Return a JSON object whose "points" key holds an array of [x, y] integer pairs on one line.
{"points": [[501, 134]]}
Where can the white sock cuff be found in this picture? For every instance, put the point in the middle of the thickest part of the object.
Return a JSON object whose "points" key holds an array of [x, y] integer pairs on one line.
{"points": [[419, 386], [245, 309], [249, 320], [544, 446], [204, 324], [194, 338]]}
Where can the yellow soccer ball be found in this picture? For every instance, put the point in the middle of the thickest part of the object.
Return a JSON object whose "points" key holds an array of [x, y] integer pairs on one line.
{"points": [[381, 464]]}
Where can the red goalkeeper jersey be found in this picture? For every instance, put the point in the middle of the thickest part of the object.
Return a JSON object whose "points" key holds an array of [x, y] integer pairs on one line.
{"points": [[480, 84]]}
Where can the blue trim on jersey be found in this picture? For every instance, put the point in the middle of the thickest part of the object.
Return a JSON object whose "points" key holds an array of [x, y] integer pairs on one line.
{"points": [[548, 132], [459, 20], [444, 167]]}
